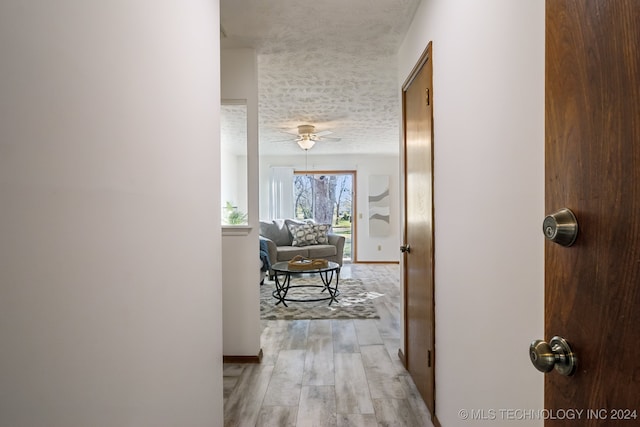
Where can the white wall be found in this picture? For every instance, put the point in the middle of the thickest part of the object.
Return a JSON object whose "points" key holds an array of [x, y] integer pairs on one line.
{"points": [[365, 165], [241, 255], [488, 92], [109, 262]]}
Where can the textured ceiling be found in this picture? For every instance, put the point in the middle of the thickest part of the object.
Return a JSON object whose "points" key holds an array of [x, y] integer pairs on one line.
{"points": [[328, 63], [233, 128]]}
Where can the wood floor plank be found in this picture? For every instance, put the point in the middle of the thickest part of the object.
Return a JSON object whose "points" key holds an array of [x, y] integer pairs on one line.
{"points": [[392, 345], [231, 373], [367, 332], [318, 365], [271, 340], [352, 389], [383, 379], [243, 405], [395, 413], [357, 420], [228, 385], [345, 339], [389, 322], [418, 407], [277, 416], [317, 407], [295, 337], [233, 369], [286, 380]]}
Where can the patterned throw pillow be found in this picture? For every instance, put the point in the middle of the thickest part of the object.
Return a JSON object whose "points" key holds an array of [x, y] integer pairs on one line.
{"points": [[303, 234], [322, 230]]}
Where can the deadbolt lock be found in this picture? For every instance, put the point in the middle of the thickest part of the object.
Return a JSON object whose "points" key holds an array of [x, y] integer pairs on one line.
{"points": [[561, 227], [555, 354]]}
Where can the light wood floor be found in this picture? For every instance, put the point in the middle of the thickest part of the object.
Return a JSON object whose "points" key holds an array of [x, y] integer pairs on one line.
{"points": [[330, 372]]}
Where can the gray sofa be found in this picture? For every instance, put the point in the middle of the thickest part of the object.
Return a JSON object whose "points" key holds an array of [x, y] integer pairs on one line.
{"points": [[310, 240]]}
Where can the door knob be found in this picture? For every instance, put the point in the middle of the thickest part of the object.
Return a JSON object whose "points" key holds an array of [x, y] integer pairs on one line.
{"points": [[554, 354], [561, 227], [405, 248]]}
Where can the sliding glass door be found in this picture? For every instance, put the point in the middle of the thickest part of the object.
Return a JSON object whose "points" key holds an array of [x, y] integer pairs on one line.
{"points": [[328, 197]]}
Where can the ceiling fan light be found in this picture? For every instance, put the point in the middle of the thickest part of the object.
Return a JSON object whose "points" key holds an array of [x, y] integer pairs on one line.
{"points": [[306, 143]]}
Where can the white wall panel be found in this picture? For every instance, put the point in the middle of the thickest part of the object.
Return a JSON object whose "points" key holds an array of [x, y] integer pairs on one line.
{"points": [[110, 293], [488, 94]]}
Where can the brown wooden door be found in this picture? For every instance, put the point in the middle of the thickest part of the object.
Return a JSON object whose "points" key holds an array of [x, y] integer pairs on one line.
{"points": [[418, 262], [592, 289]]}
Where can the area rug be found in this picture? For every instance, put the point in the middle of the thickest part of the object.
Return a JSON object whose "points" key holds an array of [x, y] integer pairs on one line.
{"points": [[354, 301]]}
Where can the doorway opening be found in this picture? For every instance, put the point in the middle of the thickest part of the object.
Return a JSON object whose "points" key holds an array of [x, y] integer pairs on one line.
{"points": [[328, 197]]}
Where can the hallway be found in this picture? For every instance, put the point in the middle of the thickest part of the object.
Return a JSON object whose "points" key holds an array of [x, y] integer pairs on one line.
{"points": [[329, 372]]}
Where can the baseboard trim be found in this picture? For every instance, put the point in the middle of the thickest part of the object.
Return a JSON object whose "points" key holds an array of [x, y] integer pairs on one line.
{"points": [[243, 359], [375, 262]]}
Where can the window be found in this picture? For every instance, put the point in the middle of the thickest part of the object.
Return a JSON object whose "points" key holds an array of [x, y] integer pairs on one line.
{"points": [[233, 165]]}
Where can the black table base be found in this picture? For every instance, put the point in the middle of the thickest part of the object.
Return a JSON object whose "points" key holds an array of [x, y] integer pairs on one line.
{"points": [[283, 285]]}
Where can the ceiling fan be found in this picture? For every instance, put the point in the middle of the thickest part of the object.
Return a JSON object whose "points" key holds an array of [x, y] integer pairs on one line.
{"points": [[307, 136]]}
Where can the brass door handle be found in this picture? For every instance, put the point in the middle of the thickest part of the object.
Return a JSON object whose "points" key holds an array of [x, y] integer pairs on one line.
{"points": [[561, 227], [557, 354]]}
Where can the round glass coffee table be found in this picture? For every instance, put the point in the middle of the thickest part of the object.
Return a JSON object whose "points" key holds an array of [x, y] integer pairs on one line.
{"points": [[282, 275]]}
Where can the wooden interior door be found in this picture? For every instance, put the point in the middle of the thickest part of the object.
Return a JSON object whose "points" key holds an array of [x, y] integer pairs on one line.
{"points": [[418, 229], [592, 289]]}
